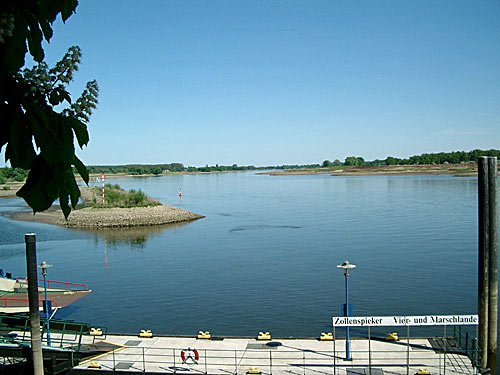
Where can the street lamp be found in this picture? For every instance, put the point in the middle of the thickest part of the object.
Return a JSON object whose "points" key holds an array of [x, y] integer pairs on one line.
{"points": [[346, 266], [44, 265]]}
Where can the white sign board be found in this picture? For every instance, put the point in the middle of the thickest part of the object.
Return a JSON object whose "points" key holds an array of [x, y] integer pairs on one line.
{"points": [[424, 320]]}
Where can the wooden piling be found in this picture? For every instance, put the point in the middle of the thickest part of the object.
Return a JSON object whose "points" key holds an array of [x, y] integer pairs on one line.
{"points": [[493, 265], [31, 270], [483, 261]]}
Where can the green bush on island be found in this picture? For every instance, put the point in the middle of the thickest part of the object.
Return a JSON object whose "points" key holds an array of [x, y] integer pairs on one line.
{"points": [[115, 196], [12, 174]]}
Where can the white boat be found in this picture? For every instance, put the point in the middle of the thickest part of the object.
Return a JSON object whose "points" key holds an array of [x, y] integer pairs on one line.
{"points": [[14, 294]]}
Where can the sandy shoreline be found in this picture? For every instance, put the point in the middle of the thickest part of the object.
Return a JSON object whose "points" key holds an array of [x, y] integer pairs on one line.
{"points": [[111, 217], [459, 170], [89, 217], [9, 189]]}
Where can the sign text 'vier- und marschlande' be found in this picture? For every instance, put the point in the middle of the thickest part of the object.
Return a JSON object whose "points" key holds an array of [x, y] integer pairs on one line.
{"points": [[423, 320]]}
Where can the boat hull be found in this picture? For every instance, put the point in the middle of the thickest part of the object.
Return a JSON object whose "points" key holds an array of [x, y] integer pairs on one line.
{"points": [[14, 294], [18, 302]]}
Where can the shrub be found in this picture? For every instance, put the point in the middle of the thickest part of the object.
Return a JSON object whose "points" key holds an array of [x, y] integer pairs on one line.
{"points": [[117, 197]]}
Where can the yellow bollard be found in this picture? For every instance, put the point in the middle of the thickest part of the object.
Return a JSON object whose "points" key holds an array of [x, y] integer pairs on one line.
{"points": [[393, 336], [264, 336], [204, 335], [95, 331], [326, 336], [94, 365], [253, 371], [146, 333]]}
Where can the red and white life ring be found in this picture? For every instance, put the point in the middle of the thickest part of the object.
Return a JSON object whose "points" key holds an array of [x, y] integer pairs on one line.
{"points": [[190, 356]]}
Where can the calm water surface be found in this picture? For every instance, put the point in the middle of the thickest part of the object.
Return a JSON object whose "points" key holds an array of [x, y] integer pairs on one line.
{"points": [[265, 256]]}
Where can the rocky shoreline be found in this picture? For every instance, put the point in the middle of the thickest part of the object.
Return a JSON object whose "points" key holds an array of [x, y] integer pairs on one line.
{"points": [[93, 218], [111, 217]]}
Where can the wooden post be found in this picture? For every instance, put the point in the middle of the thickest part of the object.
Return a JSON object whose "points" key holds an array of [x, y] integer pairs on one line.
{"points": [[493, 266], [36, 337], [483, 255]]}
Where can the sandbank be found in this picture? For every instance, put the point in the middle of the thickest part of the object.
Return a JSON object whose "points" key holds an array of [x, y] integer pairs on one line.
{"points": [[111, 217]]}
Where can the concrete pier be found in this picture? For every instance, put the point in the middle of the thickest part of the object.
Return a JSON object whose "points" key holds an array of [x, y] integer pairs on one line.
{"points": [[189, 355]]}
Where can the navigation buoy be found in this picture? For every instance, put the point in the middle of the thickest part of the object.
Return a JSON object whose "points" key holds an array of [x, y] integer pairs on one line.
{"points": [[180, 194]]}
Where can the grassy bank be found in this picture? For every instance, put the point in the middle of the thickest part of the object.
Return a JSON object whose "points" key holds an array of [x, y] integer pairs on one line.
{"points": [[116, 197]]}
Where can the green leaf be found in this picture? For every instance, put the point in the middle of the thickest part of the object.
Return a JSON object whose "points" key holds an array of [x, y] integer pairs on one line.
{"points": [[63, 202], [68, 8], [36, 126], [82, 169], [40, 189], [80, 129], [72, 186], [15, 47], [46, 29], [65, 95], [20, 147], [68, 189], [35, 43], [54, 98]]}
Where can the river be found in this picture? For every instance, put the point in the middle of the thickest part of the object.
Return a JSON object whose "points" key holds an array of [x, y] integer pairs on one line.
{"points": [[265, 255]]}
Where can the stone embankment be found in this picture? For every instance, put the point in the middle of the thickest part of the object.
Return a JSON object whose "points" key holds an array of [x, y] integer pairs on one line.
{"points": [[90, 217], [126, 217]]}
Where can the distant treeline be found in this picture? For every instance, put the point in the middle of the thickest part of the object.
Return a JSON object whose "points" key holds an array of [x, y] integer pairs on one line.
{"points": [[157, 169], [136, 169], [454, 157], [221, 168]]}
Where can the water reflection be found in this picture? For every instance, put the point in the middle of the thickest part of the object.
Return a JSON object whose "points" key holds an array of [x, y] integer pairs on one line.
{"points": [[135, 237]]}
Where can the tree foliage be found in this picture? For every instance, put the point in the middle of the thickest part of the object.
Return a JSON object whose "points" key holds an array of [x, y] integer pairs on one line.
{"points": [[454, 157], [39, 119], [136, 169], [354, 161], [12, 174]]}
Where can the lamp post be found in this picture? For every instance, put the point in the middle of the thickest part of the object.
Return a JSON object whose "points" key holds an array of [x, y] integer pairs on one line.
{"points": [[44, 265], [346, 266]]}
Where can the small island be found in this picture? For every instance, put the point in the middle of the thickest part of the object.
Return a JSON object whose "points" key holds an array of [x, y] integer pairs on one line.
{"points": [[121, 209]]}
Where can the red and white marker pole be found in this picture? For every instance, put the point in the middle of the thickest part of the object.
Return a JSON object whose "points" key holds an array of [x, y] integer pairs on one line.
{"points": [[103, 177]]}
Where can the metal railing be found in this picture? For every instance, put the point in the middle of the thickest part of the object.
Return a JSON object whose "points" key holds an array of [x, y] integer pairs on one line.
{"points": [[400, 360], [467, 342], [64, 333], [23, 283]]}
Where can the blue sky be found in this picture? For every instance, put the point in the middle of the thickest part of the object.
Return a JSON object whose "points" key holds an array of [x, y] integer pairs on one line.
{"points": [[285, 82]]}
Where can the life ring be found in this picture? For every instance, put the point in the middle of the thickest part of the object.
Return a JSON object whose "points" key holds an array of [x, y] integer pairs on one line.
{"points": [[189, 350]]}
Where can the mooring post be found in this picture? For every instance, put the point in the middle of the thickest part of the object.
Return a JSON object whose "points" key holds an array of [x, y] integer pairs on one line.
{"points": [[31, 271], [493, 266], [483, 255]]}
